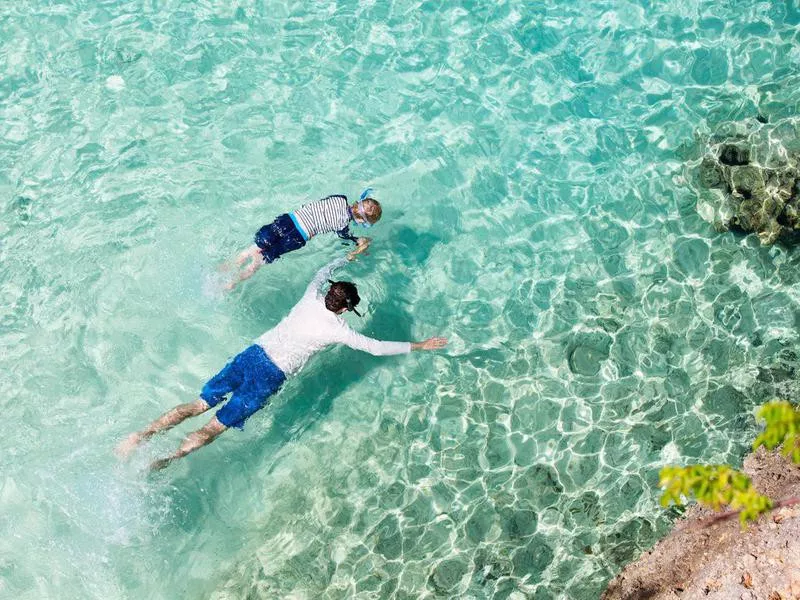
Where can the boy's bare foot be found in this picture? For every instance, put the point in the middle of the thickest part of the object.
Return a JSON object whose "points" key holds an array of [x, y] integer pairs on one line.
{"points": [[128, 445]]}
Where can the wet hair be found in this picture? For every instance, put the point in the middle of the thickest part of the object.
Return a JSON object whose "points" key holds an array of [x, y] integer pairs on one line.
{"points": [[342, 294], [372, 210]]}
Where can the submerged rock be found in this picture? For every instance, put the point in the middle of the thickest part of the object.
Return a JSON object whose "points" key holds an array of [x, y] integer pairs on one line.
{"points": [[747, 181], [733, 155], [710, 174], [750, 182], [447, 575]]}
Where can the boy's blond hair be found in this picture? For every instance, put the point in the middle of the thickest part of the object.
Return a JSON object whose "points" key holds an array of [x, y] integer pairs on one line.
{"points": [[372, 210]]}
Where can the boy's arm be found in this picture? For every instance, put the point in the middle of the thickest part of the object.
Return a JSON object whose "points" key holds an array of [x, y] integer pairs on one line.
{"points": [[363, 244], [345, 234]]}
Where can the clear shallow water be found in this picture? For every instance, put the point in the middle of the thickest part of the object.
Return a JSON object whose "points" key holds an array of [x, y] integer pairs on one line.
{"points": [[531, 162]]}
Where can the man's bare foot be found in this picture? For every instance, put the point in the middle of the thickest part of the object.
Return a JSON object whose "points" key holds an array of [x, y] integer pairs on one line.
{"points": [[128, 445]]}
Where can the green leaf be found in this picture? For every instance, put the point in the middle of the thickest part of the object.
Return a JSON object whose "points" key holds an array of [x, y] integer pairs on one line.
{"points": [[716, 486]]}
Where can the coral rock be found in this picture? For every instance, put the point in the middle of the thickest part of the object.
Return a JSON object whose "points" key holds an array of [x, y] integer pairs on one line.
{"points": [[747, 195], [733, 155]]}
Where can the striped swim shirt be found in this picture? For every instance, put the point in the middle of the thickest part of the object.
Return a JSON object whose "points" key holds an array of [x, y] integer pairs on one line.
{"points": [[329, 214]]}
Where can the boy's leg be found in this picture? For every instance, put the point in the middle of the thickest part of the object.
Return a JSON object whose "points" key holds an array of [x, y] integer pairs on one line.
{"points": [[166, 421], [271, 241], [252, 253], [197, 439], [256, 260], [240, 259]]}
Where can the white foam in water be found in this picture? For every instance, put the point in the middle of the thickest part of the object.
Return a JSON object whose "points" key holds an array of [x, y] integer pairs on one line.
{"points": [[115, 83], [214, 285], [670, 453], [115, 499]]}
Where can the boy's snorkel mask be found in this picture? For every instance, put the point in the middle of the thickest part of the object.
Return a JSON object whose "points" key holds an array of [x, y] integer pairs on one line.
{"points": [[364, 195]]}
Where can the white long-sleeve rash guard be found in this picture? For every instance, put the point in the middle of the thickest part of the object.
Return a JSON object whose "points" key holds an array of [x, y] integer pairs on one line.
{"points": [[310, 327]]}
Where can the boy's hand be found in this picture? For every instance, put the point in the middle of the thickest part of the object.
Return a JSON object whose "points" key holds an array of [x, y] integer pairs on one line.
{"points": [[432, 343], [363, 244]]}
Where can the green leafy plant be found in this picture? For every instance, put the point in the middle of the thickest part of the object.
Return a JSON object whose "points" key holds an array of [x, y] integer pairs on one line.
{"points": [[719, 486], [716, 486], [782, 426]]}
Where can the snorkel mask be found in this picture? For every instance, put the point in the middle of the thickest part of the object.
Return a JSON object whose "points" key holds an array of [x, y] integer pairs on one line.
{"points": [[364, 195]]}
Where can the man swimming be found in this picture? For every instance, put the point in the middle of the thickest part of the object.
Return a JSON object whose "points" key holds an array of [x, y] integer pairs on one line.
{"points": [[259, 371]]}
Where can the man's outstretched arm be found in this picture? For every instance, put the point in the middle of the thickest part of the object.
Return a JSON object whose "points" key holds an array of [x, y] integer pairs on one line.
{"points": [[375, 347]]}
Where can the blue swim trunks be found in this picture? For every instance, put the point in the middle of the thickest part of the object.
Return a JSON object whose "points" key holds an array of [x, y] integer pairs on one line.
{"points": [[252, 377], [279, 237]]}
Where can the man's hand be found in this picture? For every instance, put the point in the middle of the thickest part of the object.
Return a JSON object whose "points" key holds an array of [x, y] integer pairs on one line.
{"points": [[432, 343], [363, 244]]}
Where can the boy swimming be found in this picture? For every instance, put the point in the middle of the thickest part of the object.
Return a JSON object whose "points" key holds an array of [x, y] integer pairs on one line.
{"points": [[292, 230]]}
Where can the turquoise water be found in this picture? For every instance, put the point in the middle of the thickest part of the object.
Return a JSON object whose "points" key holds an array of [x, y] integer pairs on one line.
{"points": [[533, 160]]}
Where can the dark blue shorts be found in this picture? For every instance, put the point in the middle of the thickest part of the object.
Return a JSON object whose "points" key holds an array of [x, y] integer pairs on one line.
{"points": [[252, 377], [279, 237]]}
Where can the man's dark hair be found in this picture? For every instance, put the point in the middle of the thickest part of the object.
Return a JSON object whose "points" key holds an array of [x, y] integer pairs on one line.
{"points": [[343, 294]]}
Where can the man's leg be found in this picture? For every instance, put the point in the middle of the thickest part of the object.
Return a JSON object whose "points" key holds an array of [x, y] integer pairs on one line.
{"points": [[166, 421], [192, 442]]}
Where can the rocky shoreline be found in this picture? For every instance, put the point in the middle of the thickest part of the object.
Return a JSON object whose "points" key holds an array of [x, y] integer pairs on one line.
{"points": [[723, 562]]}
